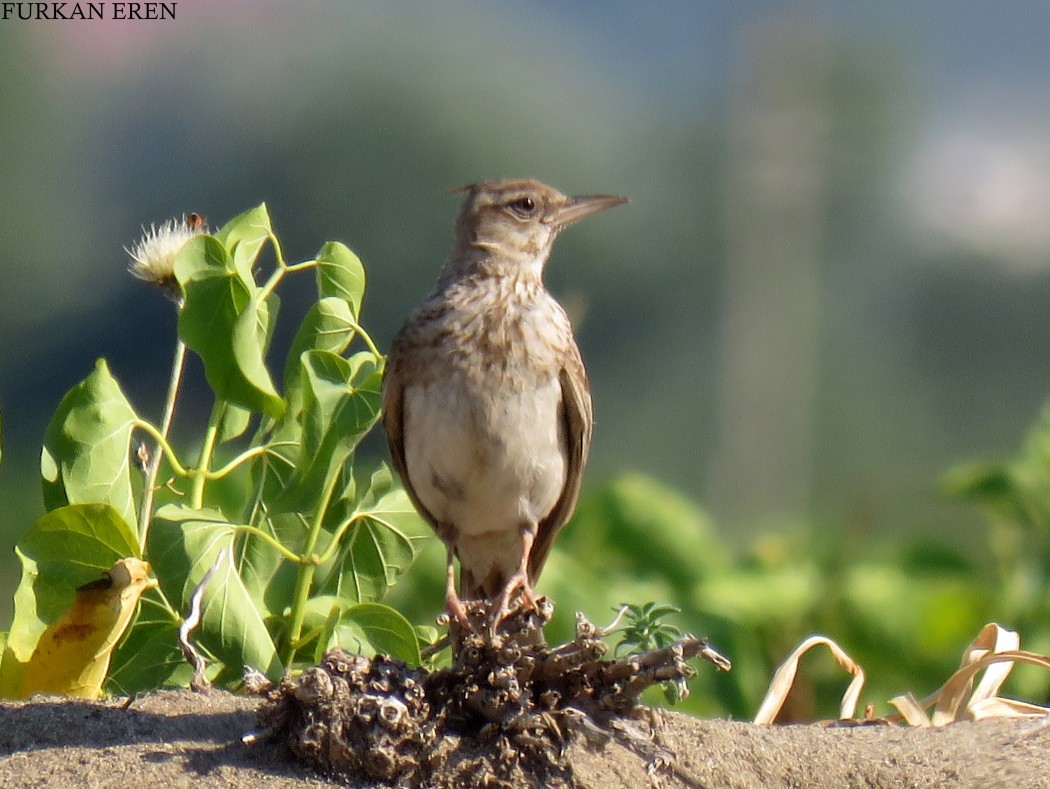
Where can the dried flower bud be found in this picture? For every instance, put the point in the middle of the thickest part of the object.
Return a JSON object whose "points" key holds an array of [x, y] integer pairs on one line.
{"points": [[153, 256]]}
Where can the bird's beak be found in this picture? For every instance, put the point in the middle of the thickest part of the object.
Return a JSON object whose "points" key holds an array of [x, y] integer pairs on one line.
{"points": [[577, 208]]}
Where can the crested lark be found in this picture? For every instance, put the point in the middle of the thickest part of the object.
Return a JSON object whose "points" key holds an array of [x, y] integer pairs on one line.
{"points": [[486, 403]]}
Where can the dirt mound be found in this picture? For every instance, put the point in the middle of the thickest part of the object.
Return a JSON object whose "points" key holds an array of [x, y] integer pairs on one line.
{"points": [[182, 739], [504, 690]]}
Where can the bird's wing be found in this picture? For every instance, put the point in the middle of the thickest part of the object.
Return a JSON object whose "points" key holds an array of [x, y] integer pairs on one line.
{"points": [[577, 420], [393, 424]]}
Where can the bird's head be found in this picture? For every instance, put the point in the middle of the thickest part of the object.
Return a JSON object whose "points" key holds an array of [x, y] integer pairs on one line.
{"points": [[516, 222]]}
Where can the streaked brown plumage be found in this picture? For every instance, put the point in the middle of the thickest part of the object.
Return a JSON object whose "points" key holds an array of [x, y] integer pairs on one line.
{"points": [[486, 403]]}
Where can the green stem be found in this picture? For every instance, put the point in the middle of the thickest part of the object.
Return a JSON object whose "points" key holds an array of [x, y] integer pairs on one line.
{"points": [[270, 540], [163, 447], [337, 537], [264, 292], [146, 513], [277, 251], [279, 272], [161, 602], [245, 456], [368, 341], [307, 568], [311, 634], [277, 275], [200, 474]]}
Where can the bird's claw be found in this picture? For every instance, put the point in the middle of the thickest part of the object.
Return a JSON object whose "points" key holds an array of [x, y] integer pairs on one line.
{"points": [[456, 610], [501, 608]]}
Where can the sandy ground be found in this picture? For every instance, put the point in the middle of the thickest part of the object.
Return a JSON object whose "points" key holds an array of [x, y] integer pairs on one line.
{"points": [[180, 739]]}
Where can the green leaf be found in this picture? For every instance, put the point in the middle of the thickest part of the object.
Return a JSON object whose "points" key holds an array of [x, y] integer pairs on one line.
{"points": [[648, 528], [183, 544], [224, 322], [340, 274], [62, 550], [366, 628], [327, 326], [149, 657], [379, 546], [1014, 491], [337, 391], [268, 577], [982, 482], [341, 402], [771, 595], [381, 629], [327, 636], [277, 466], [643, 629], [913, 615], [244, 236], [1017, 490], [250, 336], [87, 447], [78, 536], [236, 419], [234, 422], [26, 629], [427, 634]]}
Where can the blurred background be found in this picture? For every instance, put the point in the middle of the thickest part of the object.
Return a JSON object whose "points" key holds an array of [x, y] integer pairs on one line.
{"points": [[829, 288]]}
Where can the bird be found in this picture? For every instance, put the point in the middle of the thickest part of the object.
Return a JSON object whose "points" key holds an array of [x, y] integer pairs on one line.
{"points": [[485, 400]]}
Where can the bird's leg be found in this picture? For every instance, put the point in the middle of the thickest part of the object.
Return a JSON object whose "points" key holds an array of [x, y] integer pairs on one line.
{"points": [[452, 602], [519, 580]]}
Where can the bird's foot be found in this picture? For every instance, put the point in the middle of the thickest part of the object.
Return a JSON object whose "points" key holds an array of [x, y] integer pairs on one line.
{"points": [[462, 619], [453, 604], [456, 610], [501, 607]]}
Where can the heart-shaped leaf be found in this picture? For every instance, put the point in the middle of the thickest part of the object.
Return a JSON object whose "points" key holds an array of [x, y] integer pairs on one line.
{"points": [[226, 323], [380, 544], [366, 628], [328, 326], [86, 455], [341, 402], [184, 543], [340, 274], [244, 236]]}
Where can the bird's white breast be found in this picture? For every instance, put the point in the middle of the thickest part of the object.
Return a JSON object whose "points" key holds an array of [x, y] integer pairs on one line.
{"points": [[485, 462]]}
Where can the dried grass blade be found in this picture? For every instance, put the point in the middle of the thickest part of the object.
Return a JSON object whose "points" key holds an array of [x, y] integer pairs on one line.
{"points": [[912, 710], [784, 679]]}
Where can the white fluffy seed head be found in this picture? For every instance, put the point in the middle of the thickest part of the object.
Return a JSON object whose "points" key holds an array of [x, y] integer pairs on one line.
{"points": [[153, 255]]}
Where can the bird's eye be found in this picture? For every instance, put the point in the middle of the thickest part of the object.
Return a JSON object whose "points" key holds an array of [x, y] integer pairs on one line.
{"points": [[524, 206]]}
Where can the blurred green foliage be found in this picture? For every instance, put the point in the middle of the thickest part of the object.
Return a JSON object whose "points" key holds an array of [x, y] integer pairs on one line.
{"points": [[904, 610]]}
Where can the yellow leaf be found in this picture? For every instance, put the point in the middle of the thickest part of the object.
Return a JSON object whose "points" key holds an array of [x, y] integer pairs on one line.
{"points": [[72, 656]]}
